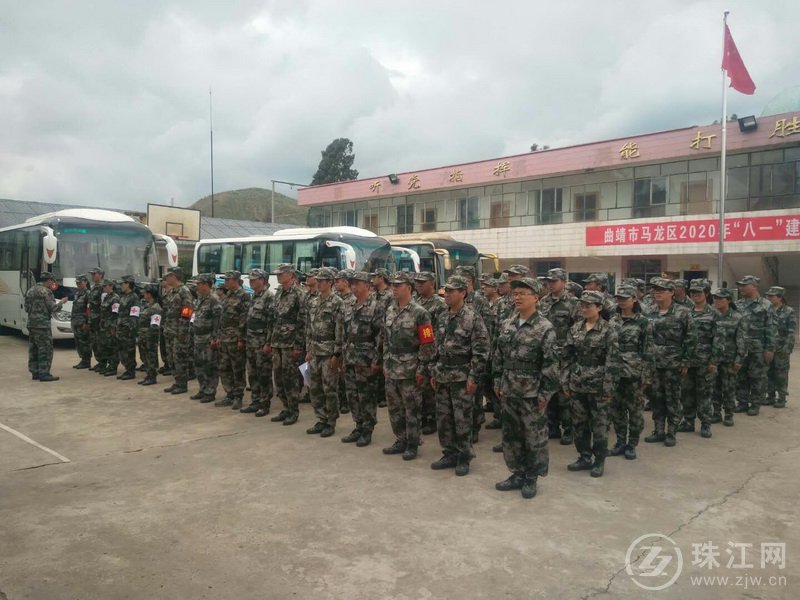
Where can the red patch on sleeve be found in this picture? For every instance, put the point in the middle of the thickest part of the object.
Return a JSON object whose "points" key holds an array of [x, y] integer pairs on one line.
{"points": [[425, 334], [186, 312]]}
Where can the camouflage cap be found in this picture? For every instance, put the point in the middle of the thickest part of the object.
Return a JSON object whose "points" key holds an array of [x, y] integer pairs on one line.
{"points": [[424, 276], [82, 277], [633, 282], [556, 274], [662, 283], [723, 293], [679, 283], [283, 268], [326, 274], [466, 271], [403, 277], [517, 270], [344, 274], [575, 287], [232, 275], [360, 276], [749, 280], [151, 289], [258, 274], [456, 282], [312, 273], [503, 278], [600, 278], [106, 282], [127, 279], [697, 285], [776, 290], [177, 271], [207, 278], [528, 282], [592, 297], [47, 276], [654, 279], [94, 270], [706, 283], [625, 291], [484, 277], [491, 282], [381, 272]]}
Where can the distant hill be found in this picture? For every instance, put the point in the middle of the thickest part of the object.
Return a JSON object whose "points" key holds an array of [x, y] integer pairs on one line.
{"points": [[253, 204]]}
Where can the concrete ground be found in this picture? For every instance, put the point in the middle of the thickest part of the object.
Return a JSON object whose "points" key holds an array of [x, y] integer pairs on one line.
{"points": [[165, 498]]}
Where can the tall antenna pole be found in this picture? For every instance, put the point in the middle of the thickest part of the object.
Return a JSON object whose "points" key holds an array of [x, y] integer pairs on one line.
{"points": [[722, 167], [211, 129]]}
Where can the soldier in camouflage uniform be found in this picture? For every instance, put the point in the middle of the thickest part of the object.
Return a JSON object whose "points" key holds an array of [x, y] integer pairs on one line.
{"points": [[647, 302], [699, 381], [109, 309], [40, 306], [680, 296], [427, 298], [205, 327], [408, 349], [166, 360], [259, 362], [178, 310], [80, 323], [525, 366], [590, 372], [383, 294], [574, 289], [462, 348], [149, 334], [561, 310], [598, 282], [490, 291], [231, 342], [127, 327], [324, 339], [504, 306], [95, 298], [761, 334], [785, 327], [362, 357], [342, 286], [626, 405], [287, 342], [671, 341], [728, 354]]}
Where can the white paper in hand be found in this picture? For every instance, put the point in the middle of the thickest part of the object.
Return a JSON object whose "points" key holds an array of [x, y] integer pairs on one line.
{"points": [[304, 371]]}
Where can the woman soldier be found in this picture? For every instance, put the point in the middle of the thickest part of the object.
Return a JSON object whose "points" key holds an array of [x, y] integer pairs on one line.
{"points": [[591, 373], [728, 354], [778, 374], [149, 334], [700, 376], [627, 404]]}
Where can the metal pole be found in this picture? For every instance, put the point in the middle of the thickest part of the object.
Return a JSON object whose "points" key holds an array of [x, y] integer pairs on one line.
{"points": [[722, 170], [291, 183], [272, 212], [211, 129]]}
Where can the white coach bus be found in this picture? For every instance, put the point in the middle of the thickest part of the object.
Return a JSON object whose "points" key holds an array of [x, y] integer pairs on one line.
{"points": [[69, 243], [303, 247]]}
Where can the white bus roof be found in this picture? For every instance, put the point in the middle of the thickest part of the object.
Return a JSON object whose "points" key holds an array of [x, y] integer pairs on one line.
{"points": [[90, 214], [297, 233]]}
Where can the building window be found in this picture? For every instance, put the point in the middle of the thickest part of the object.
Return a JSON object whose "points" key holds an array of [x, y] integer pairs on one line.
{"points": [[349, 218], [371, 221], [586, 207], [428, 219], [468, 213], [552, 207], [405, 219], [649, 197], [500, 213], [644, 268], [543, 266], [319, 218]]}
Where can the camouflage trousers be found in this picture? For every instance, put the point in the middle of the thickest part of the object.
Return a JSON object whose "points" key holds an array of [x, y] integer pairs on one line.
{"points": [[361, 396], [206, 364], [341, 393], [454, 420], [380, 386], [162, 346], [109, 354], [178, 350], [751, 381], [40, 350], [232, 369], [259, 373], [428, 408], [525, 437], [94, 339], [287, 382], [778, 377], [665, 398], [148, 351], [626, 411], [724, 393], [559, 412], [324, 390], [83, 343], [126, 349], [697, 389], [404, 400], [491, 396], [478, 415], [590, 422]]}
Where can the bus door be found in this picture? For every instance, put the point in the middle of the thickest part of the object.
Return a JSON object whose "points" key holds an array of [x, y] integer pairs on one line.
{"points": [[347, 256]]}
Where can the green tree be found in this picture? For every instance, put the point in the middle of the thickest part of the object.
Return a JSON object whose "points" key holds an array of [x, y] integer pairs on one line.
{"points": [[336, 164]]}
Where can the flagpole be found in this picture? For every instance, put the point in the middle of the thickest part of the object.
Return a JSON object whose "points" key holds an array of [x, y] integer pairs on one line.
{"points": [[722, 169]]}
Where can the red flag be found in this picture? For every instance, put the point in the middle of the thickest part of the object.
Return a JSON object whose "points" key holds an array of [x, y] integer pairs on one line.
{"points": [[734, 66]]}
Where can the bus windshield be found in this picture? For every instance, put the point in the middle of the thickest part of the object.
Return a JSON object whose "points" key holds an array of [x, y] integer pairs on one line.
{"points": [[118, 250]]}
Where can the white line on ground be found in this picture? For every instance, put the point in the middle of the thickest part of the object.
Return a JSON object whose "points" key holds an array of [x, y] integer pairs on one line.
{"points": [[25, 438]]}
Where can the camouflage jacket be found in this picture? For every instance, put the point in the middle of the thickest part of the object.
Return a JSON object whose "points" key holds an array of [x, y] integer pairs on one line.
{"points": [[590, 361], [505, 308], [435, 306], [648, 305], [40, 304], [462, 347], [178, 309], [761, 330], [259, 318], [109, 308], [127, 317], [478, 302], [325, 326], [631, 336], [408, 341], [730, 338], [348, 298], [95, 299], [233, 318], [80, 309], [384, 298], [206, 318], [671, 338], [704, 323], [525, 362], [147, 325], [785, 327], [289, 327], [363, 333], [562, 312], [687, 302]]}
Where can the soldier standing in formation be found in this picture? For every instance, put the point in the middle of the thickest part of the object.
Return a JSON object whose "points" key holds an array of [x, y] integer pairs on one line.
{"points": [[80, 323], [259, 362], [699, 379], [40, 306], [231, 342], [427, 298], [786, 327], [178, 310], [462, 345], [490, 318], [149, 334], [205, 325], [380, 286], [109, 309], [95, 299], [342, 284], [127, 327], [728, 354]]}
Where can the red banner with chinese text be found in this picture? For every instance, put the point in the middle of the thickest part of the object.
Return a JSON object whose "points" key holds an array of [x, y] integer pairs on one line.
{"points": [[742, 229]]}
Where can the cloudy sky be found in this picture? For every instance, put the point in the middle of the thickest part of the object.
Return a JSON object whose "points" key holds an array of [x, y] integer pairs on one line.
{"points": [[106, 102]]}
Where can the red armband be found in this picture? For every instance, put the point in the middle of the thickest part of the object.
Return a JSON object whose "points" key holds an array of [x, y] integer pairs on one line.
{"points": [[425, 334], [187, 312]]}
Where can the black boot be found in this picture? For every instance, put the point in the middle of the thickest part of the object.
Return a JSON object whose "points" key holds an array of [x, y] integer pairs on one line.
{"points": [[291, 419], [584, 463], [657, 435], [448, 461], [264, 410], [705, 430], [316, 428], [179, 389], [198, 396], [352, 437], [48, 377], [127, 375], [686, 426], [462, 466], [365, 439], [411, 452], [528, 489], [226, 401], [567, 437], [281, 416], [149, 381], [397, 448], [618, 449], [515, 482], [630, 452], [253, 407], [598, 467]]}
